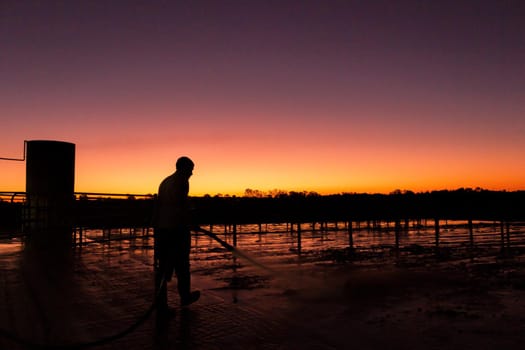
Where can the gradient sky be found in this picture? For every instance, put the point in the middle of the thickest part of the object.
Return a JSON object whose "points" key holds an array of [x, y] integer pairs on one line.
{"points": [[327, 96]]}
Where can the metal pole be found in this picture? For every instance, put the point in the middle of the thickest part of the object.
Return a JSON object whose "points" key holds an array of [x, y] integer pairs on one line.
{"points": [[350, 235], [436, 227]]}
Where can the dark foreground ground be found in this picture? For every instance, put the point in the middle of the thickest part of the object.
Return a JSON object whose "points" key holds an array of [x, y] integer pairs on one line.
{"points": [[327, 301]]}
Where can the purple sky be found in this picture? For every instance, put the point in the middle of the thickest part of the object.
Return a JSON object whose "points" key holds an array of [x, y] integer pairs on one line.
{"points": [[361, 89]]}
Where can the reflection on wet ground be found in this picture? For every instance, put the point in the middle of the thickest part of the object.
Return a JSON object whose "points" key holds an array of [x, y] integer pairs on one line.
{"points": [[323, 297]]}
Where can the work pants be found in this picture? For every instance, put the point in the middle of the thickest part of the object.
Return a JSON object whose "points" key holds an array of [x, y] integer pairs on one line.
{"points": [[172, 252]]}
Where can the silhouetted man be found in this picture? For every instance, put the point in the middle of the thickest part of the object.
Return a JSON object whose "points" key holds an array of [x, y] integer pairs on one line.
{"points": [[173, 236]]}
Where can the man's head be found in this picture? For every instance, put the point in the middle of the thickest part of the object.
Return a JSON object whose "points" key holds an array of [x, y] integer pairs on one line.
{"points": [[185, 165]]}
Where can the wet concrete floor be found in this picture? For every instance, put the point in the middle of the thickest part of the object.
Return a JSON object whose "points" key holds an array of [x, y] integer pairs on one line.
{"points": [[92, 298], [99, 297]]}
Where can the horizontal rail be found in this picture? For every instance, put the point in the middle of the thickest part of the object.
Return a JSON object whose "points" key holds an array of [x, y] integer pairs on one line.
{"points": [[13, 197], [17, 196], [102, 195]]}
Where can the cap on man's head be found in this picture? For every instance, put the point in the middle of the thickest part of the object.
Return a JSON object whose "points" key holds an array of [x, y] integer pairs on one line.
{"points": [[184, 163]]}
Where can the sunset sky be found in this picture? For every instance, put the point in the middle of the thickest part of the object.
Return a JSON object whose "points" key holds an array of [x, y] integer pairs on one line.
{"points": [[326, 96]]}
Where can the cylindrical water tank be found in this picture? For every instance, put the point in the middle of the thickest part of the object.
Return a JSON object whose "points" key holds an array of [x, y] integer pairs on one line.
{"points": [[50, 182]]}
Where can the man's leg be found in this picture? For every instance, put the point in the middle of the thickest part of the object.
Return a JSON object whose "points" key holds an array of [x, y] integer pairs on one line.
{"points": [[163, 270], [182, 267], [161, 292]]}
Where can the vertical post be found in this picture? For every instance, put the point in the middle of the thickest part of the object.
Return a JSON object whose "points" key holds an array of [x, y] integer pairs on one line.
{"points": [[436, 228], [502, 234], [396, 232], [350, 235], [75, 234], [299, 238], [471, 233], [508, 234], [235, 235]]}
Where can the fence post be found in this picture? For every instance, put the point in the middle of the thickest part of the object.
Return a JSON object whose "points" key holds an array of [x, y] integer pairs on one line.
{"points": [[235, 235], [299, 238], [471, 233], [350, 235], [397, 228], [508, 235], [502, 234], [436, 227]]}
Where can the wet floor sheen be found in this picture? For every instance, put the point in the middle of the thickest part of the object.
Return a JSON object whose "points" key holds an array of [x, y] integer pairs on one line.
{"points": [[98, 297], [93, 297]]}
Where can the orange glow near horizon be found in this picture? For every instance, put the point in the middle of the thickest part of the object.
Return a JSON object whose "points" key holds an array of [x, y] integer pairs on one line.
{"points": [[140, 170]]}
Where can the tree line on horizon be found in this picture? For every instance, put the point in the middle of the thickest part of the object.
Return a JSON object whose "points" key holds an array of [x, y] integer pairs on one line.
{"points": [[462, 203], [279, 193]]}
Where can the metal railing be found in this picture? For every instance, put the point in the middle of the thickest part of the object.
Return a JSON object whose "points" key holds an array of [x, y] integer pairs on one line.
{"points": [[122, 215], [13, 197]]}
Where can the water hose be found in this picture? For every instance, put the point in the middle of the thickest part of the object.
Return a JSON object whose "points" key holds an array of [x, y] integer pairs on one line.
{"points": [[81, 345]]}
